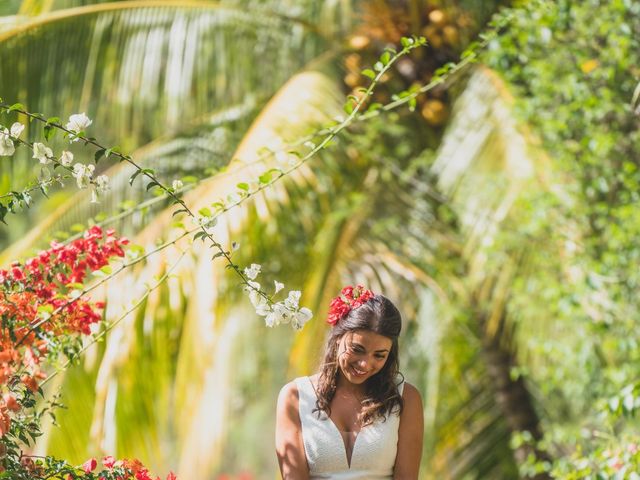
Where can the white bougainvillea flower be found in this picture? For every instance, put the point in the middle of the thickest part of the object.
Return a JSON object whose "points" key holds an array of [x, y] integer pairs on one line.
{"points": [[7, 148], [253, 289], [42, 153], [279, 286], [16, 129], [66, 158], [83, 173], [252, 271], [278, 315], [177, 185], [102, 183], [301, 317], [78, 122], [293, 300]]}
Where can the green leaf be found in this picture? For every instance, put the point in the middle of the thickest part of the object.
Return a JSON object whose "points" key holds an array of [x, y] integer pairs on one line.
{"points": [[182, 210], [385, 57], [374, 106], [243, 186], [152, 184], [49, 132], [205, 212], [16, 106], [406, 42], [367, 72], [99, 153], [133, 177]]}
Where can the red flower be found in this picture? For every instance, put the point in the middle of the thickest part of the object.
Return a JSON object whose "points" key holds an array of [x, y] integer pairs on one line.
{"points": [[108, 461], [90, 465], [17, 274], [347, 291], [350, 297], [337, 309], [172, 476]]}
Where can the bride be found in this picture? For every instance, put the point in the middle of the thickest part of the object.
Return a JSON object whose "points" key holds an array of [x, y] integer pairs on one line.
{"points": [[356, 418]]}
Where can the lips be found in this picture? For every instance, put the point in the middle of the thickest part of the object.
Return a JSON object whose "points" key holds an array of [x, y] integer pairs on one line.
{"points": [[358, 373]]}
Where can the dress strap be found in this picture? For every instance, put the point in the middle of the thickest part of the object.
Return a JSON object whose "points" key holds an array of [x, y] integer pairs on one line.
{"points": [[401, 387], [306, 396]]}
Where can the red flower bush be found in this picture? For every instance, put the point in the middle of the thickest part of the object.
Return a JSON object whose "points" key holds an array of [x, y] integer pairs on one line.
{"points": [[39, 303]]}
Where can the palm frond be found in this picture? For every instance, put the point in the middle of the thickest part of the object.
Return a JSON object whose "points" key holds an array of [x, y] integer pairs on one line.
{"points": [[143, 70]]}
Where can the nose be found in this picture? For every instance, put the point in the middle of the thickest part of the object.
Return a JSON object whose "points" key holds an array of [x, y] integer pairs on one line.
{"points": [[363, 364]]}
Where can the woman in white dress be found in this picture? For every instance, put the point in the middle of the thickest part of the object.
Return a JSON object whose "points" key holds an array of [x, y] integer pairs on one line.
{"points": [[356, 418]]}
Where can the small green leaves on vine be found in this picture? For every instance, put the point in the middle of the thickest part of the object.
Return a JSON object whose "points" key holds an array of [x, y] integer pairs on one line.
{"points": [[367, 72], [14, 107]]}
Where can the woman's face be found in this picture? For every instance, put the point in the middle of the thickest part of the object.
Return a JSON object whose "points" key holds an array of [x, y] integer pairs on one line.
{"points": [[362, 354]]}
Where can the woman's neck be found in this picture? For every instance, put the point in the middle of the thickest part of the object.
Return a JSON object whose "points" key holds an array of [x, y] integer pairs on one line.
{"points": [[346, 386]]}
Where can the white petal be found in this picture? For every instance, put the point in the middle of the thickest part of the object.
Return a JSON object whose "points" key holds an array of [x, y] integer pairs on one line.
{"points": [[16, 129]]}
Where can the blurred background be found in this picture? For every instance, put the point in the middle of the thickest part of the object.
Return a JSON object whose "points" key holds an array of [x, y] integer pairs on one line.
{"points": [[500, 216]]}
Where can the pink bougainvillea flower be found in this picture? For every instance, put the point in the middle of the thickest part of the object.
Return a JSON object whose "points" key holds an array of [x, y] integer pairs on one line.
{"points": [[108, 461], [90, 465]]}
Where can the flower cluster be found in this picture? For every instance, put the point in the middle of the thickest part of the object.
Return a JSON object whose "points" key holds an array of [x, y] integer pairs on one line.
{"points": [[276, 313], [117, 469], [40, 303], [349, 298], [112, 469], [82, 173], [7, 137]]}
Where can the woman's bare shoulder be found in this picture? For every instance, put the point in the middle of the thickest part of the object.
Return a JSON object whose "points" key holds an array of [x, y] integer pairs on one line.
{"points": [[411, 395], [288, 394]]}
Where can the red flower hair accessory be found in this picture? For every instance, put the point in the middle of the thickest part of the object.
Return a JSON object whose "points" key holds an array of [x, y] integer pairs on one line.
{"points": [[349, 298]]}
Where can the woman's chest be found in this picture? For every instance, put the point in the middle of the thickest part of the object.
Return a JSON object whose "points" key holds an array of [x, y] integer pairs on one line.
{"points": [[345, 414]]}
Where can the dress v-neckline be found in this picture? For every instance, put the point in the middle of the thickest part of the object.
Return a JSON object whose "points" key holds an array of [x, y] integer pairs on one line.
{"points": [[338, 431]]}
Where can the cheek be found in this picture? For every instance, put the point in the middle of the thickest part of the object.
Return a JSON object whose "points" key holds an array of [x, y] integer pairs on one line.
{"points": [[379, 365], [344, 358]]}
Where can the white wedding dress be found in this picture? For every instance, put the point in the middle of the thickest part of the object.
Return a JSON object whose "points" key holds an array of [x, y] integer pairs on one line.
{"points": [[374, 450]]}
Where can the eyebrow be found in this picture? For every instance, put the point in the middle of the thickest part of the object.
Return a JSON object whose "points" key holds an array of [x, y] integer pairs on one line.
{"points": [[362, 346]]}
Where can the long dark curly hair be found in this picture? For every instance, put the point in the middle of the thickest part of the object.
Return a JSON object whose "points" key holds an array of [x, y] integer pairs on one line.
{"points": [[379, 315]]}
